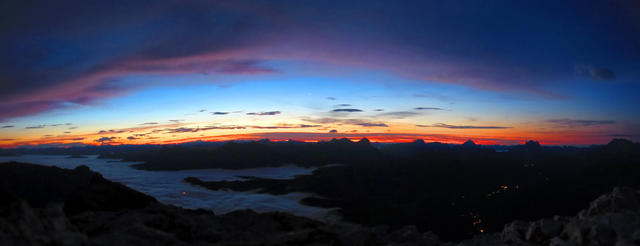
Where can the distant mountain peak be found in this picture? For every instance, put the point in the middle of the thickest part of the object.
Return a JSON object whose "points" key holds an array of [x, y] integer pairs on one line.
{"points": [[418, 141], [532, 143], [469, 143], [620, 142]]}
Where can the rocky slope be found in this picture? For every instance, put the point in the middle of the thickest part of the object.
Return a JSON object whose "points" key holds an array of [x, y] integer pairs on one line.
{"points": [[51, 206], [611, 219]]}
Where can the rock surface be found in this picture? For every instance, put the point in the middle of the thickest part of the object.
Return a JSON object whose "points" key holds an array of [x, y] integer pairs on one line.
{"points": [[611, 219], [51, 206]]}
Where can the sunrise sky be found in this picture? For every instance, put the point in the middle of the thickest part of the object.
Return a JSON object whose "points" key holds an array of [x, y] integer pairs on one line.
{"points": [[496, 72]]}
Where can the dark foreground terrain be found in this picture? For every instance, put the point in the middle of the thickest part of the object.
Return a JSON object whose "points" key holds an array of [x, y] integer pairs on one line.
{"points": [[51, 206], [460, 191]]}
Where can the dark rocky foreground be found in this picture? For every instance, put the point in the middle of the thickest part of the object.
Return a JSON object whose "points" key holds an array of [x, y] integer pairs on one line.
{"points": [[460, 191], [51, 206]]}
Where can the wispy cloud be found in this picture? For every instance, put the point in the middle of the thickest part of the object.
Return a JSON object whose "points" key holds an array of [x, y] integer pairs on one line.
{"points": [[602, 73], [6, 126], [369, 124], [35, 127], [358, 122], [284, 126], [576, 123], [441, 125], [599, 73], [331, 98], [198, 129], [60, 124], [111, 131], [342, 105], [398, 114], [106, 139], [219, 113], [149, 123], [265, 113], [349, 110], [427, 108]]}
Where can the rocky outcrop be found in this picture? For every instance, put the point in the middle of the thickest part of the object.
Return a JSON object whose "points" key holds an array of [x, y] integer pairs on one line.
{"points": [[35, 210], [611, 219]]}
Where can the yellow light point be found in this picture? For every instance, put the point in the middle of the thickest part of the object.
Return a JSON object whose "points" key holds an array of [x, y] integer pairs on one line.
{"points": [[481, 231]]}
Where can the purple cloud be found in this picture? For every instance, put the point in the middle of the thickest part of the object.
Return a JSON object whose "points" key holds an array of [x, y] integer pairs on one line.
{"points": [[265, 113]]}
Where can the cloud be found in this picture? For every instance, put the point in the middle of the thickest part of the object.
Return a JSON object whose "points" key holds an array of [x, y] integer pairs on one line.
{"points": [[279, 126], [6, 126], [441, 125], [131, 138], [370, 124], [106, 139], [398, 114], [111, 131], [149, 123], [331, 98], [326, 120], [358, 122], [284, 126], [342, 105], [333, 131], [599, 73], [219, 113], [188, 129], [427, 108], [573, 123], [350, 110], [602, 73], [307, 126], [364, 123], [60, 124], [264, 113], [182, 129], [10, 109], [35, 127], [175, 121], [202, 110], [378, 110]]}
